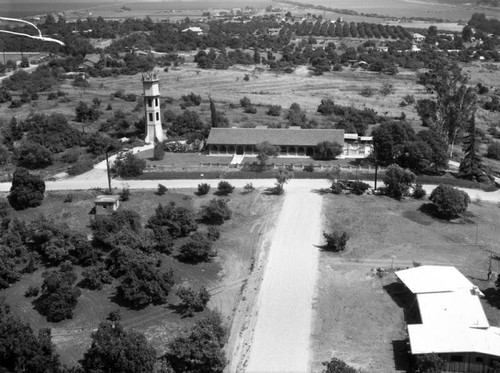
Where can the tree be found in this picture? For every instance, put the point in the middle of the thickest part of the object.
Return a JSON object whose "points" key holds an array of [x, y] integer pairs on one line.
{"points": [[32, 155], [191, 300], [467, 33], [327, 107], [59, 295], [162, 189], [217, 118], [158, 151], [115, 349], [178, 220], [199, 349], [224, 188], [266, 150], [274, 110], [296, 116], [129, 165], [397, 181], [283, 176], [337, 366], [429, 363], [450, 202], [328, 150], [95, 277], [186, 123], [470, 167], [216, 211], [389, 140], [143, 285], [196, 250], [432, 35], [203, 189], [86, 113], [23, 351], [26, 191]]}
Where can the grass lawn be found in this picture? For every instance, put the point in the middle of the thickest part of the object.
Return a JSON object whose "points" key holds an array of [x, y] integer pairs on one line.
{"points": [[224, 277], [357, 319]]}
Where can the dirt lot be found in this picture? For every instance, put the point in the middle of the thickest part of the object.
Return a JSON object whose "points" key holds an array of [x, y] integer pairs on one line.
{"points": [[224, 278], [356, 319]]}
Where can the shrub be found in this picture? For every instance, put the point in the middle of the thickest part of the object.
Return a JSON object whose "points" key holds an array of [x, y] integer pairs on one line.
{"points": [[178, 220], [32, 291], [224, 188], [387, 89], [309, 168], [274, 110], [69, 198], [397, 181], [367, 92], [213, 233], [249, 187], [245, 102], [159, 151], [196, 250], [337, 188], [328, 150], [203, 189], [33, 155], [215, 212], [52, 96], [192, 301], [125, 194], [250, 109], [450, 202], [162, 189], [358, 187], [71, 156], [335, 241], [129, 165], [80, 167], [337, 366], [130, 97], [191, 99], [327, 107], [418, 192]]}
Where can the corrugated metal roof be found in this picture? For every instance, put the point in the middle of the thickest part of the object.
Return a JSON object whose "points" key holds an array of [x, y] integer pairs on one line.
{"points": [[107, 198], [433, 279], [285, 137]]}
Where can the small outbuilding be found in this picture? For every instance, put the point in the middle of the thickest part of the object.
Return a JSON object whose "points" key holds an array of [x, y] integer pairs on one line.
{"points": [[105, 205]]}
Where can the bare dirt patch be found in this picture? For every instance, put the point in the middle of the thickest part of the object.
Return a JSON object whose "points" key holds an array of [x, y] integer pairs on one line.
{"points": [[357, 318]]}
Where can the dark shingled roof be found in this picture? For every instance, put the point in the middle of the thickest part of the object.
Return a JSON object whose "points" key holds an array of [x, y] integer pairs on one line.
{"points": [[290, 137]]}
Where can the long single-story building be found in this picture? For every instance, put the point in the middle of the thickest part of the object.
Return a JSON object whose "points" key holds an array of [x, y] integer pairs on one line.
{"points": [[292, 142], [453, 323]]}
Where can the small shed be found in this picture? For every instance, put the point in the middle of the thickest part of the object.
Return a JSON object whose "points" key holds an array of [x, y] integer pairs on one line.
{"points": [[105, 205]]}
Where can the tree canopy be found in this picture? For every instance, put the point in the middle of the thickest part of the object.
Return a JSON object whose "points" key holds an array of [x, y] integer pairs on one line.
{"points": [[115, 349], [26, 191], [450, 202]]}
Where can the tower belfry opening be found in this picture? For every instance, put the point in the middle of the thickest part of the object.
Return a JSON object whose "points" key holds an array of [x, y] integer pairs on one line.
{"points": [[151, 87]]}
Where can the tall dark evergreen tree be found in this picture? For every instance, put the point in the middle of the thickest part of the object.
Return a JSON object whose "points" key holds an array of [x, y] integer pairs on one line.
{"points": [[470, 167]]}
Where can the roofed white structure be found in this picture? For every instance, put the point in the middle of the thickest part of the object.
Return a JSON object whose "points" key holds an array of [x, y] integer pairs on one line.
{"points": [[453, 319]]}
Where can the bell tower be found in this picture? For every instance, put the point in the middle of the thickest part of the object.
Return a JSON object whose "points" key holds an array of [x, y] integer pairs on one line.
{"points": [[151, 87]]}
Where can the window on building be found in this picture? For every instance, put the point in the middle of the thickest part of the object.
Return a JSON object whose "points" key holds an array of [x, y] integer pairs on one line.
{"points": [[157, 116], [456, 358], [150, 117], [479, 359], [156, 102], [150, 102]]}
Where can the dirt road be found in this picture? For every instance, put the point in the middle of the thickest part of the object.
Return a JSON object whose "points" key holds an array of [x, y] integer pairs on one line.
{"points": [[281, 338]]}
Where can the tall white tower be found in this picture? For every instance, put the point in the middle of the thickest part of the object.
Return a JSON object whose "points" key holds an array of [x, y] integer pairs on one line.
{"points": [[150, 84]]}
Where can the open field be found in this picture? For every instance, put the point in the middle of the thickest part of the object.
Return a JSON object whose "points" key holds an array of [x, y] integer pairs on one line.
{"points": [[447, 10], [357, 318], [225, 277]]}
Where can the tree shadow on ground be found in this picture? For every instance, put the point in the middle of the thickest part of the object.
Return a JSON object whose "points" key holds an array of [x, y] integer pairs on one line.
{"points": [[406, 300], [431, 210], [322, 191], [272, 191], [492, 296]]}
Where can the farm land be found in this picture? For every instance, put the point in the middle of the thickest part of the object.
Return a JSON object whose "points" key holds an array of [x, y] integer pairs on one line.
{"points": [[264, 88], [359, 312], [225, 277]]}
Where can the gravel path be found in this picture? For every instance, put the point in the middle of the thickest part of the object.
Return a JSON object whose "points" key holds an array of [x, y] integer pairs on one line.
{"points": [[284, 317]]}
